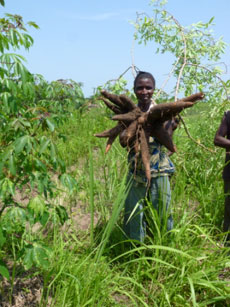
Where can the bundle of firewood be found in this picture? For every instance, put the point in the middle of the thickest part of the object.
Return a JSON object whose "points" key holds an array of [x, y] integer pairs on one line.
{"points": [[135, 124]]}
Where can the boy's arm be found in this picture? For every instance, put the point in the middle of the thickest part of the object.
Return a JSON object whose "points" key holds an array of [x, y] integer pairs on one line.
{"points": [[220, 137]]}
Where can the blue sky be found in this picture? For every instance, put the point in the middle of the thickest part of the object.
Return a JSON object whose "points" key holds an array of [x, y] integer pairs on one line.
{"points": [[91, 41]]}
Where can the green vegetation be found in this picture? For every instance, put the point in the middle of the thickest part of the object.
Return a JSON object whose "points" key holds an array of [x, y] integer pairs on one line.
{"points": [[98, 267], [189, 266], [62, 197], [31, 110]]}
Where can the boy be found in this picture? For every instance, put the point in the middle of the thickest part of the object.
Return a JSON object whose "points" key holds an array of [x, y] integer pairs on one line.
{"points": [[161, 168]]}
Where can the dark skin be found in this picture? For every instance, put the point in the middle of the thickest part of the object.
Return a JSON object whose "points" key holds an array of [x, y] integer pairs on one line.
{"points": [[144, 90], [220, 137], [221, 141]]}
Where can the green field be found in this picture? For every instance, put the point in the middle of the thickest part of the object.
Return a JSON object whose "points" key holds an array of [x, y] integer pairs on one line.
{"points": [[93, 265], [62, 197]]}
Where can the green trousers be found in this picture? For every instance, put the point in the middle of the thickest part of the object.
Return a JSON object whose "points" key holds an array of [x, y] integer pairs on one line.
{"points": [[159, 196]]}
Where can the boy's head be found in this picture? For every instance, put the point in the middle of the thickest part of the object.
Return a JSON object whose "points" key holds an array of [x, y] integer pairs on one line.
{"points": [[144, 86], [144, 75]]}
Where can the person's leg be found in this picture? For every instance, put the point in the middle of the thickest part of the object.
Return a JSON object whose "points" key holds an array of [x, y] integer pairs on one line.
{"points": [[134, 225], [160, 193], [227, 208]]}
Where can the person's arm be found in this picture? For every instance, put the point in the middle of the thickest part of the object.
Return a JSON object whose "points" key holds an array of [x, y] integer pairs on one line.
{"points": [[220, 137]]}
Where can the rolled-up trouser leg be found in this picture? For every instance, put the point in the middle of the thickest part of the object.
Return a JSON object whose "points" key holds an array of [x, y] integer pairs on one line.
{"points": [[227, 208]]}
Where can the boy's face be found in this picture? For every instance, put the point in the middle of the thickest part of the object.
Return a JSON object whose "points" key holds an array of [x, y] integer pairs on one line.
{"points": [[144, 90]]}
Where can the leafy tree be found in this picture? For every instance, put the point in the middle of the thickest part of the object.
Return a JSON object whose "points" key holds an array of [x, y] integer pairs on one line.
{"points": [[196, 53], [31, 110], [194, 48]]}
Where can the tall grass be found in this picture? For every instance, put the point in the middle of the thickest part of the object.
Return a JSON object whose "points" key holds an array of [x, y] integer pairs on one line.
{"points": [[188, 266], [91, 193]]}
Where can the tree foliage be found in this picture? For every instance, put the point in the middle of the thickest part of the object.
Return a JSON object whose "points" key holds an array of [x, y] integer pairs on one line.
{"points": [[194, 48], [31, 109]]}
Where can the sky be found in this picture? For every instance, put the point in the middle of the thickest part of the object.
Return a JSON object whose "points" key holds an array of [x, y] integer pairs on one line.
{"points": [[92, 41]]}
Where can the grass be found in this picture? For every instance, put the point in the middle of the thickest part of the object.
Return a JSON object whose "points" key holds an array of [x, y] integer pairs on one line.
{"points": [[184, 268], [187, 267]]}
